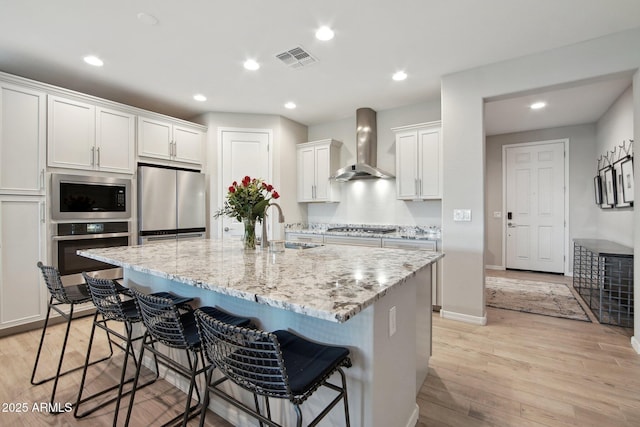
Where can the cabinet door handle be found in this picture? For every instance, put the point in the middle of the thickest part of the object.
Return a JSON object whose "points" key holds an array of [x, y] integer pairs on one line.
{"points": [[42, 212], [98, 151], [42, 179], [415, 186], [93, 156]]}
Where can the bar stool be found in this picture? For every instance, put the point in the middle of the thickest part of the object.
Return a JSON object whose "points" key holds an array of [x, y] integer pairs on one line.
{"points": [[167, 325], [107, 297], [271, 364], [60, 295]]}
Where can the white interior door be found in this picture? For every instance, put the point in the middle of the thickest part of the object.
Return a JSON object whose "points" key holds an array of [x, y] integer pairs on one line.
{"points": [[244, 153], [535, 191]]}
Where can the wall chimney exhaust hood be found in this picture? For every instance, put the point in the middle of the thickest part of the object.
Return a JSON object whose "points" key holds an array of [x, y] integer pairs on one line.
{"points": [[366, 154]]}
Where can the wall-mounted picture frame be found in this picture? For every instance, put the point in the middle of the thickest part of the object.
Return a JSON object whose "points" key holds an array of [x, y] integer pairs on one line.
{"points": [[609, 182], [619, 186], [626, 172], [597, 188]]}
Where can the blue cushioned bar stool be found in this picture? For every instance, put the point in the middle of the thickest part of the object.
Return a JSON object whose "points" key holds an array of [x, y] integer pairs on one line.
{"points": [[60, 295], [112, 305], [166, 324], [271, 364]]}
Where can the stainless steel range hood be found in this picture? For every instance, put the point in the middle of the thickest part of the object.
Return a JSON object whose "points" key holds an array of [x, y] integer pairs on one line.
{"points": [[366, 155]]}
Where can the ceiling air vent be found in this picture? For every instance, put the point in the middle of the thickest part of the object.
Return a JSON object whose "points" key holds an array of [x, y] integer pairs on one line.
{"points": [[296, 58]]}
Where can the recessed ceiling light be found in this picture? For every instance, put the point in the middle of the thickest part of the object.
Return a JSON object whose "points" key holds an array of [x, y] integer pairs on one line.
{"points": [[251, 64], [148, 19], [290, 105], [199, 97], [538, 105], [324, 33], [93, 60], [399, 76]]}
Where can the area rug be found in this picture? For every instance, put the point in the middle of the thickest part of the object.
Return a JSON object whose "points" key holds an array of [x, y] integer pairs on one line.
{"points": [[549, 299]]}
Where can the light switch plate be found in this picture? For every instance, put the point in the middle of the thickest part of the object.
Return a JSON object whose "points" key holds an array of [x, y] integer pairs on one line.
{"points": [[462, 214]]}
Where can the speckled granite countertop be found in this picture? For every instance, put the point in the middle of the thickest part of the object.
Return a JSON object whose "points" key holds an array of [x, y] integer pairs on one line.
{"points": [[327, 282], [392, 235]]}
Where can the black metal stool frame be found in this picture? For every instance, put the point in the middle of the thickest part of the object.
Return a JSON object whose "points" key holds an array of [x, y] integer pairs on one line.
{"points": [[154, 310], [253, 360], [59, 296], [106, 295]]}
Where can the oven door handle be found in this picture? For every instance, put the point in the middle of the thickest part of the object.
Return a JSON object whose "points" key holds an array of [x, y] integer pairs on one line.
{"points": [[91, 236]]}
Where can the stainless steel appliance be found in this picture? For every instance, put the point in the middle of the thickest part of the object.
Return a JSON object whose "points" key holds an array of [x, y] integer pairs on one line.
{"points": [[366, 154], [80, 197], [73, 236], [171, 204]]}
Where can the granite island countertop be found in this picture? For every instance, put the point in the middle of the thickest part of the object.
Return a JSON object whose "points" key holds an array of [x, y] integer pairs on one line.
{"points": [[329, 282]]}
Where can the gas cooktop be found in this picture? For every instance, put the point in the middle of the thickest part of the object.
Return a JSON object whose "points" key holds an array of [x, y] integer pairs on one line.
{"points": [[370, 230]]}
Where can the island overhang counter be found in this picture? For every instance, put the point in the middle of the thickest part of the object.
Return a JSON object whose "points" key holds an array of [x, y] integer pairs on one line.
{"points": [[376, 302]]}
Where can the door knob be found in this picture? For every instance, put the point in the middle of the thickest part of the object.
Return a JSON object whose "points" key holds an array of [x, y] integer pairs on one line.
{"points": [[511, 225], [226, 229]]}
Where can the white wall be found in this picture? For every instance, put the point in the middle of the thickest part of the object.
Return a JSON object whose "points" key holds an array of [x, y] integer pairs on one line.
{"points": [[614, 127], [374, 201], [583, 212], [464, 148]]}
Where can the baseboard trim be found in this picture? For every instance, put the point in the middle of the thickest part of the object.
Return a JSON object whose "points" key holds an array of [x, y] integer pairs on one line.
{"points": [[494, 267], [466, 318], [635, 344], [413, 420]]}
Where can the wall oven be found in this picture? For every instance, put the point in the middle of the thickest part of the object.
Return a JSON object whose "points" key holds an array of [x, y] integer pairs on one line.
{"points": [[89, 212], [74, 236], [80, 197]]}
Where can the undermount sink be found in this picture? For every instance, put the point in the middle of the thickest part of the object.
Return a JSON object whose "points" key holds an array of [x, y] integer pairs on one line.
{"points": [[301, 245]]}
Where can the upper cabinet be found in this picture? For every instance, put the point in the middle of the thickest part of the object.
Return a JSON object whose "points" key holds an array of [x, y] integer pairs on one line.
{"points": [[317, 160], [22, 140], [419, 161], [164, 140], [85, 136]]}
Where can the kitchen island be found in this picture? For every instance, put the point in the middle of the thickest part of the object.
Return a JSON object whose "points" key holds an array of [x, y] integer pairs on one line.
{"points": [[376, 302]]}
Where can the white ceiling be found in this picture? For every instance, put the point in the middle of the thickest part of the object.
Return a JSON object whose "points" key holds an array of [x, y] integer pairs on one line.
{"points": [[572, 104], [198, 46]]}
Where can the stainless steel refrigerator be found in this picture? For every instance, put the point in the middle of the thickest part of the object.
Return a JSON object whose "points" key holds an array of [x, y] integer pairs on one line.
{"points": [[171, 204]]}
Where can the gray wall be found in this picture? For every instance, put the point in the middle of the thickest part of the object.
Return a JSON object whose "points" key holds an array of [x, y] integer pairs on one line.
{"points": [[613, 127], [374, 201], [286, 134], [583, 212], [463, 95]]}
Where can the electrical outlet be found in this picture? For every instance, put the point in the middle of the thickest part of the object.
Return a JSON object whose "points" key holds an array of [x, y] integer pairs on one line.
{"points": [[462, 214], [497, 214], [392, 321]]}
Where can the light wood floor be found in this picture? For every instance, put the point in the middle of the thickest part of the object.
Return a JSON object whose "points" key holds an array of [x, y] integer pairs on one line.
{"points": [[519, 370], [530, 370]]}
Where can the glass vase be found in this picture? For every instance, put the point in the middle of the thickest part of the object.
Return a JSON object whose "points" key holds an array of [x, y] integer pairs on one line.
{"points": [[249, 233]]}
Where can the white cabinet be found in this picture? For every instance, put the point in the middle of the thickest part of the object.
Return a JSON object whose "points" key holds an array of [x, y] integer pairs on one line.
{"points": [[89, 137], [303, 237], [317, 160], [163, 140], [23, 295], [352, 241], [419, 161], [22, 140], [436, 271], [115, 141]]}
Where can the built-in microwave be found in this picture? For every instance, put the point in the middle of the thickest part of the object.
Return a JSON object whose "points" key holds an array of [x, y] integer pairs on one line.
{"points": [[80, 197]]}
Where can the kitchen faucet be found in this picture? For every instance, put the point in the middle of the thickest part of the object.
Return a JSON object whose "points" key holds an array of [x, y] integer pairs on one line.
{"points": [[264, 242]]}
